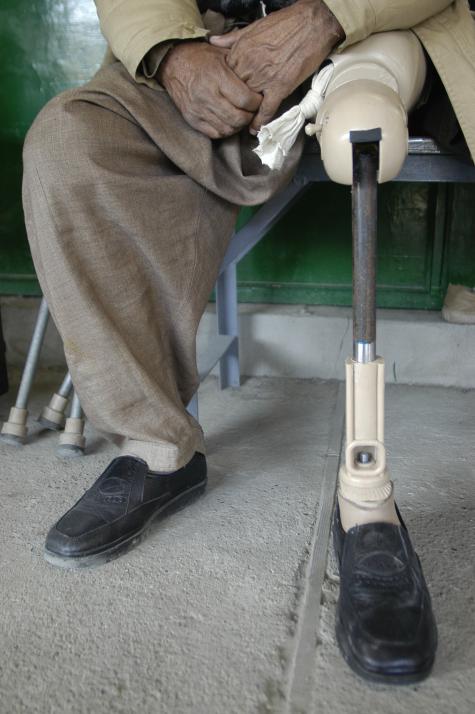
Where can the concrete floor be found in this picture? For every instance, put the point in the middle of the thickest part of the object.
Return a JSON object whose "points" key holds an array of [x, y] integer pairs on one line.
{"points": [[205, 617]]}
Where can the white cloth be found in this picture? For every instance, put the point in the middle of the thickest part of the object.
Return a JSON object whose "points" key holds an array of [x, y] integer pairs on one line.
{"points": [[277, 137], [459, 305]]}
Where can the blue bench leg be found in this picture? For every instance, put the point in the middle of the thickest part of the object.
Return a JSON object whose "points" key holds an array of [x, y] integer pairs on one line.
{"points": [[227, 310], [192, 407]]}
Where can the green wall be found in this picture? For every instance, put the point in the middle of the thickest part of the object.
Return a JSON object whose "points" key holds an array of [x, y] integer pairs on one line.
{"points": [[46, 46], [426, 233]]}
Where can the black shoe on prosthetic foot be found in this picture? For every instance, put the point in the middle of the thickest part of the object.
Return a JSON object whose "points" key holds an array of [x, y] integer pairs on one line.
{"points": [[115, 513], [385, 626]]}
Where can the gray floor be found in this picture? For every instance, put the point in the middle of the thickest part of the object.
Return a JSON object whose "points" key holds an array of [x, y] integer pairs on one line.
{"points": [[204, 616]]}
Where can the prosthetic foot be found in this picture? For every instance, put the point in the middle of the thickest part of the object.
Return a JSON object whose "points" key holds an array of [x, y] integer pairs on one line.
{"points": [[385, 626]]}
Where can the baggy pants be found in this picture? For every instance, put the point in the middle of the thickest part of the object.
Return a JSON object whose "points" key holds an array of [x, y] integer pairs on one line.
{"points": [[129, 212]]}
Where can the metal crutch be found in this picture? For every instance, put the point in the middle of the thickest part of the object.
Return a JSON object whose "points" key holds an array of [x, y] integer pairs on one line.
{"points": [[14, 430], [53, 416], [72, 441]]}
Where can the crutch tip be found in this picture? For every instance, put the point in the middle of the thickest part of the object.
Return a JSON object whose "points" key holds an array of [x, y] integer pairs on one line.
{"points": [[48, 424], [69, 451], [14, 430], [12, 439], [72, 442], [52, 416]]}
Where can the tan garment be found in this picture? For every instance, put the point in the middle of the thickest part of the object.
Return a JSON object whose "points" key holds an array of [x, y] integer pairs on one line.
{"points": [[129, 212], [445, 28]]}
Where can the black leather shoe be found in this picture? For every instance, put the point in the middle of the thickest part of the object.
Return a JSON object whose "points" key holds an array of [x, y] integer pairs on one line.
{"points": [[384, 622], [115, 512]]}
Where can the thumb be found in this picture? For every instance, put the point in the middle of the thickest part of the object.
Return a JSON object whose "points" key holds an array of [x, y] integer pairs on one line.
{"points": [[268, 108], [227, 40]]}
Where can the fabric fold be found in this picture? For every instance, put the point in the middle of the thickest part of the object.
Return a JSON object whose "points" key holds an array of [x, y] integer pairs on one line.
{"points": [[277, 138]]}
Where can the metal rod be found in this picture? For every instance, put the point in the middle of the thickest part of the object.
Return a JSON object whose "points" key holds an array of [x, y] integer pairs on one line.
{"points": [[33, 356], [262, 221], [66, 386], [228, 324], [364, 221], [76, 409], [364, 352], [3, 362], [192, 407]]}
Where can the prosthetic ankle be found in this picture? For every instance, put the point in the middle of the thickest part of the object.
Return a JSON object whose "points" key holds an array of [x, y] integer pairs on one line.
{"points": [[365, 493], [362, 129]]}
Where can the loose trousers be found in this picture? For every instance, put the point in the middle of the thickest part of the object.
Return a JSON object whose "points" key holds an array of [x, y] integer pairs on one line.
{"points": [[129, 212]]}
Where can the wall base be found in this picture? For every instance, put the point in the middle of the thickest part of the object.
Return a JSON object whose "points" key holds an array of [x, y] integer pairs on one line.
{"points": [[303, 342]]}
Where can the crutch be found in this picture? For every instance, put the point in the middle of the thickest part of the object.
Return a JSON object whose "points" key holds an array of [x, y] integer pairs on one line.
{"points": [[72, 441], [53, 415], [14, 430]]}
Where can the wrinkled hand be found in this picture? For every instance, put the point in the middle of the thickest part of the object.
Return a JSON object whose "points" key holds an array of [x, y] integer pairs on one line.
{"points": [[210, 96], [277, 53]]}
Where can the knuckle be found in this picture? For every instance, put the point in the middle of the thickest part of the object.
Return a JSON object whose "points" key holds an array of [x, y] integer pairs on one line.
{"points": [[231, 59]]}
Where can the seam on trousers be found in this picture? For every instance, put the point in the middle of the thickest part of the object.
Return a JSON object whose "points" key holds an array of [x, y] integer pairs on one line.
{"points": [[187, 292], [38, 241]]}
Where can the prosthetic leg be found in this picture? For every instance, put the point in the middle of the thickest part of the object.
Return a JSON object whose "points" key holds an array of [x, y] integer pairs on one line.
{"points": [[384, 622], [362, 130], [365, 491]]}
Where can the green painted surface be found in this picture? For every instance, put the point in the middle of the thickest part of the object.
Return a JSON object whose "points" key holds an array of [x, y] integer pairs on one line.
{"points": [[426, 233], [307, 257], [46, 46]]}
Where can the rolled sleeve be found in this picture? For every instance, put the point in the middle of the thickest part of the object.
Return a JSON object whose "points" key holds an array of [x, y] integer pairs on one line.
{"points": [[133, 27], [361, 18], [151, 61]]}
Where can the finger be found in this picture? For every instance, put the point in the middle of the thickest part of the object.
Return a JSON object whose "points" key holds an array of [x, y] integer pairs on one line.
{"points": [[220, 108], [239, 94], [206, 124], [230, 115], [220, 114], [216, 128], [268, 108], [206, 129], [227, 40]]}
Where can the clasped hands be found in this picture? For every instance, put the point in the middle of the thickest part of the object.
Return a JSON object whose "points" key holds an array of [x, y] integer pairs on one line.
{"points": [[240, 79]]}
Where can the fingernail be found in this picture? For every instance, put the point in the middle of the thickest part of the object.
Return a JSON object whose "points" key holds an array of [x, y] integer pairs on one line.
{"points": [[253, 132]]}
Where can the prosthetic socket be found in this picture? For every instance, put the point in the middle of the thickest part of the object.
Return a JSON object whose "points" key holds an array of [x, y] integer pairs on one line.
{"points": [[372, 87], [373, 84]]}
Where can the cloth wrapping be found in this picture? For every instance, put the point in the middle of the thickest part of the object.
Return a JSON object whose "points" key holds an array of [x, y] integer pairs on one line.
{"points": [[277, 138], [459, 305]]}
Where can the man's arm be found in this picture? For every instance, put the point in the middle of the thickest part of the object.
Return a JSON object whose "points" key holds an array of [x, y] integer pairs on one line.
{"points": [[133, 27], [277, 53], [209, 95], [142, 34], [361, 18]]}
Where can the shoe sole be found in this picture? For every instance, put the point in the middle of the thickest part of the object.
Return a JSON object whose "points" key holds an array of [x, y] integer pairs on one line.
{"points": [[122, 546], [378, 677]]}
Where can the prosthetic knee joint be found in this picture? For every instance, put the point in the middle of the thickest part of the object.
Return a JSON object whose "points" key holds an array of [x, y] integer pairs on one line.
{"points": [[362, 129], [374, 83]]}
